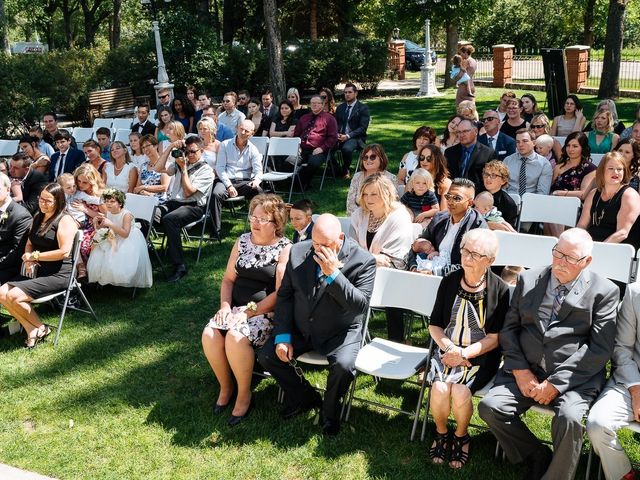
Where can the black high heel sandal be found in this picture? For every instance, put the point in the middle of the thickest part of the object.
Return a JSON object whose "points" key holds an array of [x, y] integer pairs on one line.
{"points": [[441, 448], [457, 453]]}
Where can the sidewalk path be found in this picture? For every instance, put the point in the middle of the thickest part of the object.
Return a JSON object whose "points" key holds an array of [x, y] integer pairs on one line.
{"points": [[10, 473]]}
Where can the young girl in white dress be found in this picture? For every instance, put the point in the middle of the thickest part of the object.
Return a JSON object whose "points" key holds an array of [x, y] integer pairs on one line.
{"points": [[119, 256]]}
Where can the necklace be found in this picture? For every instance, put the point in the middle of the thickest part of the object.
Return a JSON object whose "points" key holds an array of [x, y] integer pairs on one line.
{"points": [[374, 223], [477, 285], [597, 219]]}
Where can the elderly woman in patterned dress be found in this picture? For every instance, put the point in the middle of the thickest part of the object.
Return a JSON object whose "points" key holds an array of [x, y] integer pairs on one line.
{"points": [[247, 301]]}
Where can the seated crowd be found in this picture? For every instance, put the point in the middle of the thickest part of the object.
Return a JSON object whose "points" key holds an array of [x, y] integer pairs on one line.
{"points": [[546, 346]]}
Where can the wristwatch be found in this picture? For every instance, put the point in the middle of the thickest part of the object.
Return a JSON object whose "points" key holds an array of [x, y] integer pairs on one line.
{"points": [[252, 307], [35, 255]]}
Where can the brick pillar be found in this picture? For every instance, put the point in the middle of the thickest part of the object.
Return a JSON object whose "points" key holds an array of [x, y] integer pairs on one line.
{"points": [[577, 57], [502, 65], [397, 61]]}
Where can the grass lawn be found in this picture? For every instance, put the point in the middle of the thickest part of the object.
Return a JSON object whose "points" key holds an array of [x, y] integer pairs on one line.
{"points": [[130, 397]]}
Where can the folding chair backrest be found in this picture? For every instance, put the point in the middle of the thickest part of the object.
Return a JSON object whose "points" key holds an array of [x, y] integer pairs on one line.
{"points": [[516, 198], [550, 209], [8, 147], [283, 146], [402, 289], [261, 144], [102, 122], [122, 135], [613, 261], [596, 158], [561, 140], [524, 250], [141, 207], [121, 124], [82, 134]]}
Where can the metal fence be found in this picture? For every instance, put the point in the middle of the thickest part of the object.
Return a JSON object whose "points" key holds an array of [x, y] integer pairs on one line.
{"points": [[629, 70]]}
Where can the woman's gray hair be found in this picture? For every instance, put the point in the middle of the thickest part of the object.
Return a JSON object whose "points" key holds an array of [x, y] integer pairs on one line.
{"points": [[489, 240], [5, 180]]}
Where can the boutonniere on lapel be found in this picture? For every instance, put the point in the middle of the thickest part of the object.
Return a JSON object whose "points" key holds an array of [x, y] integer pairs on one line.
{"points": [[4, 217]]}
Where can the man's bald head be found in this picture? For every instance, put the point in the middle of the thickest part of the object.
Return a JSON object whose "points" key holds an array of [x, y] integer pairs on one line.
{"points": [[327, 232]]}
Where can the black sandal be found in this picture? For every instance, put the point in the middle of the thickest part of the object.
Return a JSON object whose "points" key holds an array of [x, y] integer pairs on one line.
{"points": [[441, 447], [457, 453]]}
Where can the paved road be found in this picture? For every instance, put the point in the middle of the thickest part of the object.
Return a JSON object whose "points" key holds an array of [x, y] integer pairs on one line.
{"points": [[10, 473]]}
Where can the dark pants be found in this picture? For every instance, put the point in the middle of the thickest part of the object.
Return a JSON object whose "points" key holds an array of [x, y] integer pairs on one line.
{"points": [[173, 216], [220, 194], [501, 409], [347, 148], [314, 162], [395, 324], [298, 390]]}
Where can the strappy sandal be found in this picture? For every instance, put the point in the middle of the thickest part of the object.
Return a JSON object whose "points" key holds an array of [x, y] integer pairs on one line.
{"points": [[457, 453], [440, 449]]}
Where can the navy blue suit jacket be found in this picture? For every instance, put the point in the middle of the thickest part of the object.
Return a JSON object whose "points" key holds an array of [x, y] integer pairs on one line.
{"points": [[505, 145], [73, 159]]}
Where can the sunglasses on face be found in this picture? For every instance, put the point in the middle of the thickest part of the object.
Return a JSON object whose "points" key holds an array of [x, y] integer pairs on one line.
{"points": [[424, 158], [538, 126], [373, 156], [164, 96], [488, 119]]}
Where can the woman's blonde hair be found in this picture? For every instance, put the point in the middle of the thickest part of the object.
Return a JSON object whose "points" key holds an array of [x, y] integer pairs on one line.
{"points": [[386, 190], [92, 175], [179, 129], [541, 117], [610, 121], [470, 104], [209, 125], [273, 206], [423, 174]]}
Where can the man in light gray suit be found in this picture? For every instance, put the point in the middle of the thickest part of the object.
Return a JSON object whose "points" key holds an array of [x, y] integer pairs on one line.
{"points": [[619, 403], [557, 338]]}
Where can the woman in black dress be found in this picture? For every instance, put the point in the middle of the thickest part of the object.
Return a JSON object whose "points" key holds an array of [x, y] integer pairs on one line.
{"points": [[514, 120], [46, 260], [612, 208], [247, 301], [468, 314]]}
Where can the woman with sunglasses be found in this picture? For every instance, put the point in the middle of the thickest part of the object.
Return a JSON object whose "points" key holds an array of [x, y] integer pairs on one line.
{"points": [[422, 136], [541, 125], [432, 160], [46, 263], [247, 301], [373, 160]]}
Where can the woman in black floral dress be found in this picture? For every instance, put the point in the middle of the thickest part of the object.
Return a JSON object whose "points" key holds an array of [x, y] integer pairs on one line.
{"points": [[247, 301]]}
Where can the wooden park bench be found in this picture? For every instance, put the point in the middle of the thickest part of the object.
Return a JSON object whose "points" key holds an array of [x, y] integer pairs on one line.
{"points": [[113, 102]]}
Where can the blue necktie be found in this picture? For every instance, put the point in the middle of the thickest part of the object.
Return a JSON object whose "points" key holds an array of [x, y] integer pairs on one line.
{"points": [[465, 163]]}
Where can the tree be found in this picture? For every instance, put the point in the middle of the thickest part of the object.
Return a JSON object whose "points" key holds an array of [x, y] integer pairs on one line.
{"points": [[114, 34], [4, 31], [276, 64], [94, 14], [609, 84], [587, 36], [313, 19]]}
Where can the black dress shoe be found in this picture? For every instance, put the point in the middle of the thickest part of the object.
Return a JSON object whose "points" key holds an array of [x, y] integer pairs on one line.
{"points": [[538, 463], [294, 410], [180, 272], [330, 428], [235, 420], [218, 409]]}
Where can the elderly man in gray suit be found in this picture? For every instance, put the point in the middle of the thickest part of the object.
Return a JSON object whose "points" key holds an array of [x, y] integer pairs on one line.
{"points": [[619, 403], [557, 338]]}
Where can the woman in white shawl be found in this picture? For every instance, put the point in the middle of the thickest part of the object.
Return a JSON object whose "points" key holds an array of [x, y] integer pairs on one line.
{"points": [[382, 225]]}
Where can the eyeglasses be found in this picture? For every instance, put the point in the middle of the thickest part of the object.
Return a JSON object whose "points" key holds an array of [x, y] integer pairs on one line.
{"points": [[488, 119], [259, 220], [46, 201], [146, 145], [474, 255], [454, 198], [193, 152], [242, 98], [163, 96], [373, 156], [491, 176], [569, 259], [538, 126], [424, 158]]}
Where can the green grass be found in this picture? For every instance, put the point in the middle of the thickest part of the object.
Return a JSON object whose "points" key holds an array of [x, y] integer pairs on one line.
{"points": [[130, 397]]}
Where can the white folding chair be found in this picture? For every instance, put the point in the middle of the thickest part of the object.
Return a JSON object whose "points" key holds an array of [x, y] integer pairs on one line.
{"points": [[518, 199], [286, 147], [596, 158], [121, 124], [560, 140], [345, 223], [102, 122], [549, 209], [143, 208], [385, 359], [72, 286], [524, 250], [8, 147], [122, 135], [614, 261], [82, 134], [261, 143]]}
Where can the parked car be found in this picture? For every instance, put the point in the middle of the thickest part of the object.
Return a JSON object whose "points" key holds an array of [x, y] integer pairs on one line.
{"points": [[414, 55]]}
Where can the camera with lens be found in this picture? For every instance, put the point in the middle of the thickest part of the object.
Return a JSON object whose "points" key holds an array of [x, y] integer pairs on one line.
{"points": [[179, 152]]}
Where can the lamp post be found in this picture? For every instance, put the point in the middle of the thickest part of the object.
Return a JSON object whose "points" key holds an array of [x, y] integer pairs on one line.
{"points": [[428, 70], [163, 79]]}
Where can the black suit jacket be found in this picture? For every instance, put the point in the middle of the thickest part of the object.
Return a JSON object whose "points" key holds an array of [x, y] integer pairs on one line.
{"points": [[273, 111], [32, 185], [481, 154], [505, 145], [73, 159], [14, 231], [148, 129], [330, 315], [307, 234], [358, 121]]}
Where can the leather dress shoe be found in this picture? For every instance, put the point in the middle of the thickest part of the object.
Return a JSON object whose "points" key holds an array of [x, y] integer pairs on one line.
{"points": [[294, 410], [180, 272], [538, 463], [330, 428], [236, 419]]}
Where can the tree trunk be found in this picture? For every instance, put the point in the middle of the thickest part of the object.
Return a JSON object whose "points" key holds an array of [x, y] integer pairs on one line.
{"points": [[276, 63], [67, 14], [114, 40], [313, 19], [587, 34], [204, 15], [228, 21], [452, 49], [216, 21], [609, 81], [4, 31]]}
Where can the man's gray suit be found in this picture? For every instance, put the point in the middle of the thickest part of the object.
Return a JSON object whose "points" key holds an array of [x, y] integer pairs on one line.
{"points": [[574, 350], [323, 317]]}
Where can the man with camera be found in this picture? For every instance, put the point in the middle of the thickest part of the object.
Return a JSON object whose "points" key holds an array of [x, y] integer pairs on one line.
{"points": [[188, 197], [239, 171]]}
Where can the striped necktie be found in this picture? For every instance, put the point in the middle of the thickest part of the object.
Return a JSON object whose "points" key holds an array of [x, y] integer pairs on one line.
{"points": [[522, 178]]}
